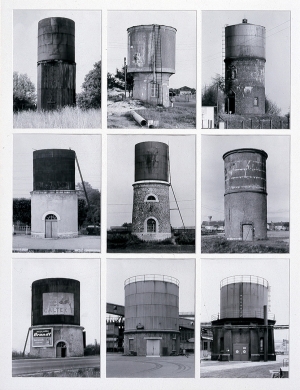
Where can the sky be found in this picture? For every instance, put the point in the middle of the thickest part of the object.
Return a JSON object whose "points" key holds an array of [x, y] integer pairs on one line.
{"points": [[120, 162], [278, 170], [26, 271], [275, 271], [278, 49], [118, 270], [87, 148], [25, 33], [186, 50]]}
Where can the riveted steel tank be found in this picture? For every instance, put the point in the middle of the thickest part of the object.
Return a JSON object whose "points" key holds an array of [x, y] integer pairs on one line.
{"points": [[55, 301], [243, 296], [151, 161], [151, 60], [53, 169], [245, 199], [245, 57], [56, 66]]}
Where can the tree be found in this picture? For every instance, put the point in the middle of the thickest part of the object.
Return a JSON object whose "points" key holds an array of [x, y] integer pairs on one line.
{"points": [[24, 96], [271, 107], [22, 210], [94, 197], [213, 94], [118, 80], [90, 97]]}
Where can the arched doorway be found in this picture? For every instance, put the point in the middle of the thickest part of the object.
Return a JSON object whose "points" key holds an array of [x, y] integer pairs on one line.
{"points": [[231, 102], [61, 349], [151, 225], [51, 226]]}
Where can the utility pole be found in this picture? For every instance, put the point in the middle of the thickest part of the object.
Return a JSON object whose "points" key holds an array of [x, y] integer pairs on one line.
{"points": [[125, 74]]}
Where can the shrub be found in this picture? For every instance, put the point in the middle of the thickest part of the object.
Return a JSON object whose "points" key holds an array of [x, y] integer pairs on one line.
{"points": [[185, 239]]}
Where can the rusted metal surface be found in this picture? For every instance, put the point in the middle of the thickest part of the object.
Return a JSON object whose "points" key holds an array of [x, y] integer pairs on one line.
{"points": [[53, 169], [151, 161]]}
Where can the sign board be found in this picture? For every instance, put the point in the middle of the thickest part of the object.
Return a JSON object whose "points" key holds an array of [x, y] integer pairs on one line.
{"points": [[42, 337], [56, 303]]}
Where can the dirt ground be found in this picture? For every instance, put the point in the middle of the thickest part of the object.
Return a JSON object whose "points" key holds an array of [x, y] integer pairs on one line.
{"points": [[277, 242]]}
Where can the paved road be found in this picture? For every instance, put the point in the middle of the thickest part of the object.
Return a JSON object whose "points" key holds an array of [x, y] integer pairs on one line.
{"points": [[30, 366], [118, 366], [81, 243]]}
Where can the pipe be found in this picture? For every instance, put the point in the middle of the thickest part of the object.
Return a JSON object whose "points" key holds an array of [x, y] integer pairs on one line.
{"points": [[139, 119], [266, 333]]}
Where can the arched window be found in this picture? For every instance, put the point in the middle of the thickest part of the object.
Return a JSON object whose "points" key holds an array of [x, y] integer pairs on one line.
{"points": [[151, 225], [51, 217], [151, 197]]}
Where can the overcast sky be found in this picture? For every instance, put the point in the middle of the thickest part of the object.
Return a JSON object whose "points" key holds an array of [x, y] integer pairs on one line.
{"points": [[118, 270], [120, 162], [275, 271], [87, 148], [186, 50], [26, 271], [87, 40], [278, 171], [278, 47]]}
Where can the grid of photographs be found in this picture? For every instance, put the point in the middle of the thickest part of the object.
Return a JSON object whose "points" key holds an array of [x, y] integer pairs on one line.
{"points": [[151, 172]]}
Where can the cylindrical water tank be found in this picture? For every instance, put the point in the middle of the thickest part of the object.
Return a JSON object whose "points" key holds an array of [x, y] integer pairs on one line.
{"points": [[245, 199], [151, 303], [53, 169], [56, 39], [149, 44], [55, 301], [245, 40], [243, 296], [151, 161]]}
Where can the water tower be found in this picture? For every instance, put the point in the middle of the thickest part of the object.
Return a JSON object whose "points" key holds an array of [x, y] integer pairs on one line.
{"points": [[151, 60], [151, 204], [245, 199], [244, 329], [56, 67], [55, 321], [54, 201], [151, 315], [245, 57]]}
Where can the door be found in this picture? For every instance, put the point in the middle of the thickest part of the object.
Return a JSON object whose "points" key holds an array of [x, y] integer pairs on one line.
{"points": [[247, 232], [51, 226], [61, 349], [153, 347], [240, 352]]}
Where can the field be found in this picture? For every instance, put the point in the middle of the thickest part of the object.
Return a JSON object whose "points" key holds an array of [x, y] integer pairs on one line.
{"points": [[66, 118], [277, 242]]}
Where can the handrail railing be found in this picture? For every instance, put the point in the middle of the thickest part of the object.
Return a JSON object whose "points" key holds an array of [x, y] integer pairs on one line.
{"points": [[151, 277]]}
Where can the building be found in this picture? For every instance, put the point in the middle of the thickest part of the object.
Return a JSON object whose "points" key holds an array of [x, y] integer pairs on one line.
{"points": [[55, 327], [151, 60], [244, 329], [245, 57]]}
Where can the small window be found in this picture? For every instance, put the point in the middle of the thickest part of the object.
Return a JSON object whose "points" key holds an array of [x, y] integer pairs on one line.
{"points": [[256, 102], [205, 345], [151, 225], [151, 197], [154, 89], [51, 217]]}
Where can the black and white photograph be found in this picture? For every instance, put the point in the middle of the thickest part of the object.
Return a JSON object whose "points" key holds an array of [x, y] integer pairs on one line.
{"points": [[55, 323], [245, 203], [151, 64], [151, 194], [56, 193], [246, 69], [245, 318], [56, 69], [150, 320]]}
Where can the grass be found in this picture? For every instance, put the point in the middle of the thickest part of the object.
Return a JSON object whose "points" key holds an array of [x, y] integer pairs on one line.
{"points": [[92, 372], [67, 117], [215, 244]]}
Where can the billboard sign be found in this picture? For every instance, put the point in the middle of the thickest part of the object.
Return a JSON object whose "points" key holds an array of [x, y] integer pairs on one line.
{"points": [[42, 337], [57, 303]]}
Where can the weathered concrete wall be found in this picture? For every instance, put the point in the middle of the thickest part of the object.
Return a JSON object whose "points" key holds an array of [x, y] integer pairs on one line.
{"points": [[70, 334], [169, 341], [144, 209], [63, 204]]}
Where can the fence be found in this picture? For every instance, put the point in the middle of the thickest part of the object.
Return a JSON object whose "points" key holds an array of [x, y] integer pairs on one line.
{"points": [[234, 123], [22, 229]]}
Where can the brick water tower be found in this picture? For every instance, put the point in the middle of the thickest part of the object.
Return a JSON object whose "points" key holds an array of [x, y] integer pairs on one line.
{"points": [[54, 201], [245, 198], [151, 204], [55, 321], [245, 57], [56, 67], [151, 60]]}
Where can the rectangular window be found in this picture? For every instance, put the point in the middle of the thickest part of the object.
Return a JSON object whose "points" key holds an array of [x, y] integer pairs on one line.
{"points": [[205, 345], [154, 90], [131, 345], [255, 101]]}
